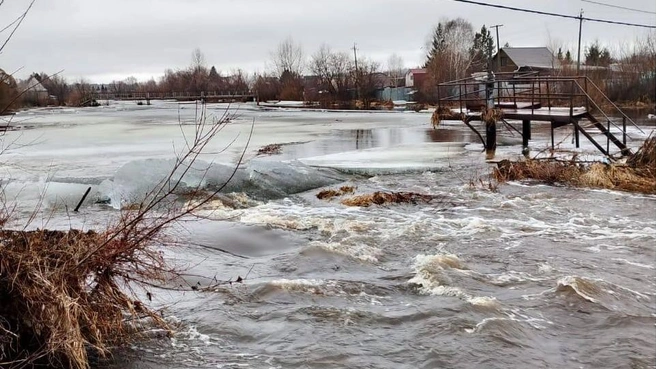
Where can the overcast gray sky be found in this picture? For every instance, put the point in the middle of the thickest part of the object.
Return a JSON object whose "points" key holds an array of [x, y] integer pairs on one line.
{"points": [[106, 40]]}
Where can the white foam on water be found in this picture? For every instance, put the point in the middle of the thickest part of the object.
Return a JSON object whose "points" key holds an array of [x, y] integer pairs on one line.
{"points": [[429, 276], [327, 220], [512, 316], [633, 263], [513, 277], [299, 285], [582, 288], [545, 268], [484, 301], [362, 252], [185, 339]]}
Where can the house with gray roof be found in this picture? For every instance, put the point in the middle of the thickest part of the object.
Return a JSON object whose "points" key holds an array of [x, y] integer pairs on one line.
{"points": [[511, 59], [34, 92]]}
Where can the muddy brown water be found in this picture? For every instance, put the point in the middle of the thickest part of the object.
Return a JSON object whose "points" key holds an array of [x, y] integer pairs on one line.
{"points": [[528, 276], [524, 276]]}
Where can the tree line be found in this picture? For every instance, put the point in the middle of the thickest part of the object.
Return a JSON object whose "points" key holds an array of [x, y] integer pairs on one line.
{"points": [[343, 79]]}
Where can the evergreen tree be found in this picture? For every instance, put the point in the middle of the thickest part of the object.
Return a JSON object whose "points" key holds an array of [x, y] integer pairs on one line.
{"points": [[214, 75], [437, 44], [484, 44], [596, 55]]}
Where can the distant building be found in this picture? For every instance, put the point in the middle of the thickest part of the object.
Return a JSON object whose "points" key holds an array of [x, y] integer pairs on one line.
{"points": [[415, 78], [35, 93], [512, 59]]}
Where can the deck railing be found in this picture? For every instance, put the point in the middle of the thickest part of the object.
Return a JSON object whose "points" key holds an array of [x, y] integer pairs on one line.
{"points": [[529, 90], [171, 95]]}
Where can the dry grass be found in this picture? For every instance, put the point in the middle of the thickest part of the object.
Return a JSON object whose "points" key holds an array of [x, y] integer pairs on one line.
{"points": [[444, 113], [637, 175], [491, 115], [64, 294], [330, 193], [644, 160]]}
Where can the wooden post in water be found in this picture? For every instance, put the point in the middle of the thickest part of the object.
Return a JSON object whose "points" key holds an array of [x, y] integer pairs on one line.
{"points": [[489, 116], [490, 138], [82, 200], [526, 136]]}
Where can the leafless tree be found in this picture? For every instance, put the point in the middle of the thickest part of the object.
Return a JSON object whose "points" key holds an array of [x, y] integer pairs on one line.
{"points": [[634, 74], [335, 72], [199, 73], [197, 59], [395, 68], [288, 57], [56, 86], [368, 77], [13, 26], [320, 62]]}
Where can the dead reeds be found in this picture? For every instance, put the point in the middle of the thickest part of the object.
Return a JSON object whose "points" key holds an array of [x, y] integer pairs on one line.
{"points": [[444, 113], [64, 293], [638, 174], [375, 198], [385, 198], [330, 193]]}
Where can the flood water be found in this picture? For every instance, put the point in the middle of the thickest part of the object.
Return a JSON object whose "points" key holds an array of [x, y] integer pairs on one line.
{"points": [[520, 276]]}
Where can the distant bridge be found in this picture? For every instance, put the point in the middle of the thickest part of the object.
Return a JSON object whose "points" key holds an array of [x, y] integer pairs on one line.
{"points": [[179, 96]]}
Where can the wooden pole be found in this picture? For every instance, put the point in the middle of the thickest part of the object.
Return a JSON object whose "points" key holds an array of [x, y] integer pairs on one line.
{"points": [[578, 59], [526, 136], [496, 26], [490, 136], [82, 200]]}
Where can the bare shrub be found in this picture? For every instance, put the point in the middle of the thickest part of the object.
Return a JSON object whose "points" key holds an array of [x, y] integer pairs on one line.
{"points": [[65, 293]]}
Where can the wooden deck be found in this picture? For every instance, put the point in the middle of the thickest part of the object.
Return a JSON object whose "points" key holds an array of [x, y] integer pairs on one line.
{"points": [[555, 115], [577, 99]]}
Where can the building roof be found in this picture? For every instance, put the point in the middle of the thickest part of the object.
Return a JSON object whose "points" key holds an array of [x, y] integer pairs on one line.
{"points": [[535, 57], [33, 85], [418, 71]]}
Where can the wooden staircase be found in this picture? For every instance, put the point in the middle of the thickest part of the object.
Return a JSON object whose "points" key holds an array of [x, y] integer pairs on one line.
{"points": [[594, 122]]}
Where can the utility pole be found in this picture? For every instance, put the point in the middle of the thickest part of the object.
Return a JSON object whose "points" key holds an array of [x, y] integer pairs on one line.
{"points": [[578, 59], [357, 74], [496, 26]]}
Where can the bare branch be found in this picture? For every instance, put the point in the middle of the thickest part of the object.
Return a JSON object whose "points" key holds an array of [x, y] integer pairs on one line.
{"points": [[22, 18]]}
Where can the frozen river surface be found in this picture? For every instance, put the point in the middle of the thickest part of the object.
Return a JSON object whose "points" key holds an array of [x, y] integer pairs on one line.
{"points": [[527, 276]]}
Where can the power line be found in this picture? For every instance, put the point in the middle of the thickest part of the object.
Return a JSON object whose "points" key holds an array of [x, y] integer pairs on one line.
{"points": [[618, 7], [555, 14]]}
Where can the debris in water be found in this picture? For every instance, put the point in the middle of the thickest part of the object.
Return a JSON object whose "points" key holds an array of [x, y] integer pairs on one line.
{"points": [[330, 193], [383, 198], [272, 149]]}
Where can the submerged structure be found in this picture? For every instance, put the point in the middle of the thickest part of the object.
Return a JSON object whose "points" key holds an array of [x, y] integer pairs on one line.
{"points": [[530, 97]]}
